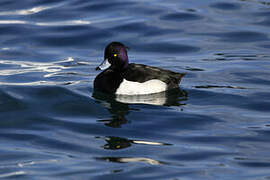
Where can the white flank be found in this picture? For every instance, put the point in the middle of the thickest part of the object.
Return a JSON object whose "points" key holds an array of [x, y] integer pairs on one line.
{"points": [[136, 88]]}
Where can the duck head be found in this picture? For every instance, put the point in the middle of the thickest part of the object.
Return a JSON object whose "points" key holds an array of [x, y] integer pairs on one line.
{"points": [[115, 57]]}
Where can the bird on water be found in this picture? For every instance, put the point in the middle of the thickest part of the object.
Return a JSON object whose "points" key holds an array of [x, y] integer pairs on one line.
{"points": [[123, 78]]}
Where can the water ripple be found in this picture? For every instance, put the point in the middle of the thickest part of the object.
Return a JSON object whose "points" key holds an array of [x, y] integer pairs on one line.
{"points": [[226, 6], [180, 17], [11, 174], [31, 11]]}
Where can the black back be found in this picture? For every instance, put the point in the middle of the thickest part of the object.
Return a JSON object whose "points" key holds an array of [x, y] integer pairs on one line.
{"points": [[141, 73]]}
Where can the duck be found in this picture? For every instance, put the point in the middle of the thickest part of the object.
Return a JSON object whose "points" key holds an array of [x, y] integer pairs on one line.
{"points": [[120, 77]]}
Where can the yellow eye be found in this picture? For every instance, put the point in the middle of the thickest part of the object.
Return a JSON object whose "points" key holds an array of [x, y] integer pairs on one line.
{"points": [[114, 55]]}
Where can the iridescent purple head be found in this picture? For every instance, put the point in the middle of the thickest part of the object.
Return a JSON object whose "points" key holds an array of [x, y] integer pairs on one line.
{"points": [[115, 57]]}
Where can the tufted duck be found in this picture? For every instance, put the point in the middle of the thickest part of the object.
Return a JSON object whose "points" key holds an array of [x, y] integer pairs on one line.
{"points": [[120, 77]]}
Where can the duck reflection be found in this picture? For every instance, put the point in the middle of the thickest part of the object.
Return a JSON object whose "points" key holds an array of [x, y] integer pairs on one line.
{"points": [[132, 159], [118, 105], [166, 98], [117, 109], [116, 143]]}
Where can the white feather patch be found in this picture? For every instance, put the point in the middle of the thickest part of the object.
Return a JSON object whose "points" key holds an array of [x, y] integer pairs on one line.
{"points": [[136, 88]]}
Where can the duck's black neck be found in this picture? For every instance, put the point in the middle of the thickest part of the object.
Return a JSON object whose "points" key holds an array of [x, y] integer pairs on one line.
{"points": [[120, 70]]}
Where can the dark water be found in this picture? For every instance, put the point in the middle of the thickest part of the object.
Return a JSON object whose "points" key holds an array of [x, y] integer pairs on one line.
{"points": [[216, 127]]}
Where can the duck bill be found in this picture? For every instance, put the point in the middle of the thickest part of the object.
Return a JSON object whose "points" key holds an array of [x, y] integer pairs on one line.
{"points": [[104, 65]]}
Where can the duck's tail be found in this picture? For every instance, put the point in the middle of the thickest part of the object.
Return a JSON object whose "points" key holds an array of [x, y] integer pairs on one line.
{"points": [[178, 77], [175, 80]]}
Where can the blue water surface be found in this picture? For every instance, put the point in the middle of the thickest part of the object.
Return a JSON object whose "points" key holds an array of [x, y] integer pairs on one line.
{"points": [[216, 126]]}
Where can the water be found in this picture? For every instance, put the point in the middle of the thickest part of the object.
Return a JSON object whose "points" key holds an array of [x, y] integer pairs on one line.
{"points": [[215, 127]]}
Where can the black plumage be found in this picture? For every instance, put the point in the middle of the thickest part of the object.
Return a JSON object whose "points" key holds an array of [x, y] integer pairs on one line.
{"points": [[110, 79]]}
